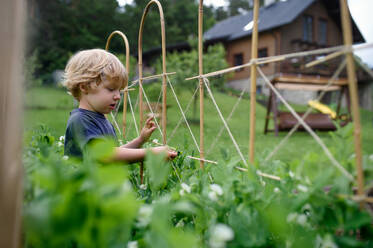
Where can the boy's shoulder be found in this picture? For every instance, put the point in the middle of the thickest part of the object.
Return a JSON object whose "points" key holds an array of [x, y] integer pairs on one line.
{"points": [[79, 114], [90, 123]]}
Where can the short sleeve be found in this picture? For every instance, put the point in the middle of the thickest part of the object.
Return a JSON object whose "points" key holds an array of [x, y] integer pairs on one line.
{"points": [[85, 130], [79, 132]]}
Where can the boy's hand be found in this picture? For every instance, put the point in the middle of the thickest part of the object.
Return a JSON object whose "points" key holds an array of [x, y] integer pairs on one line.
{"points": [[148, 129], [165, 149]]}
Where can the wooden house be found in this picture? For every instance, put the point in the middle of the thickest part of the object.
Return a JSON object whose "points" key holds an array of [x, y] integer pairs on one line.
{"points": [[289, 26], [286, 26]]}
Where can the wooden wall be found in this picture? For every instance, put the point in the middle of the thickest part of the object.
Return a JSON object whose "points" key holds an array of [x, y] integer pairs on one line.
{"points": [[266, 40]]}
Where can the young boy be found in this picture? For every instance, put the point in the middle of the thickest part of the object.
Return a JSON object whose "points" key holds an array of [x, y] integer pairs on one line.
{"points": [[94, 78]]}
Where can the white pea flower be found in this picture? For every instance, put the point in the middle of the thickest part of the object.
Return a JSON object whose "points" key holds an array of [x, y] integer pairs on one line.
{"points": [[65, 157], [371, 157], [302, 219], [326, 242], [186, 187], [291, 174], [143, 186], [220, 234], [302, 188], [291, 217], [126, 186], [276, 190], [213, 196], [59, 143], [180, 223], [155, 141], [132, 244], [144, 215], [62, 138], [216, 188]]}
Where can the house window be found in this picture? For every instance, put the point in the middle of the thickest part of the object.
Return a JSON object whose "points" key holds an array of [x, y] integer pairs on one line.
{"points": [[323, 29], [307, 28], [263, 52], [238, 60]]}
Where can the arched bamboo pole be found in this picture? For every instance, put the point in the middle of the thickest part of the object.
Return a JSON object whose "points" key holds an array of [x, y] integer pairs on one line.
{"points": [[125, 93], [164, 77], [254, 55], [201, 86], [352, 86]]}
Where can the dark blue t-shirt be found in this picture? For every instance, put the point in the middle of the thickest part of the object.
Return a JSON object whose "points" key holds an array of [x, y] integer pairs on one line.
{"points": [[83, 126]]}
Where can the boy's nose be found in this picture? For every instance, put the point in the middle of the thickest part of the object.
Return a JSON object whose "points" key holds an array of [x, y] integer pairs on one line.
{"points": [[117, 95]]}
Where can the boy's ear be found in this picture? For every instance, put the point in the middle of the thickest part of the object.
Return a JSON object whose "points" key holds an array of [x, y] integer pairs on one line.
{"points": [[83, 88]]}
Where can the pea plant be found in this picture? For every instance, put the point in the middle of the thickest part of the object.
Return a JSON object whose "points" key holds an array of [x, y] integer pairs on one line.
{"points": [[72, 203]]}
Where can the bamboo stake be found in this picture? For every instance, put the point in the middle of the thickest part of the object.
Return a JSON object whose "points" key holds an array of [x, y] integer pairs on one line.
{"points": [[277, 58], [11, 169], [260, 174], [358, 198], [364, 67], [201, 87], [347, 37], [254, 55], [153, 77], [125, 92], [164, 80], [326, 58]]}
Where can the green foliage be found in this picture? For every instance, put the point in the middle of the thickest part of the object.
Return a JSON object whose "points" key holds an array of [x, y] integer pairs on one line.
{"points": [[60, 28], [158, 171], [31, 66], [69, 203], [87, 204], [185, 64], [132, 64]]}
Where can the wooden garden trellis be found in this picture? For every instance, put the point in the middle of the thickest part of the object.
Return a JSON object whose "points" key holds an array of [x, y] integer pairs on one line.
{"points": [[347, 34], [164, 82], [203, 82], [125, 90]]}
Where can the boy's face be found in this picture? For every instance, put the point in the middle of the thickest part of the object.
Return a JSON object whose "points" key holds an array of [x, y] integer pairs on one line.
{"points": [[102, 99]]}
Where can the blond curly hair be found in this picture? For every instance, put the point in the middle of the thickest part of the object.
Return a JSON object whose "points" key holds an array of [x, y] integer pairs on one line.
{"points": [[91, 67]]}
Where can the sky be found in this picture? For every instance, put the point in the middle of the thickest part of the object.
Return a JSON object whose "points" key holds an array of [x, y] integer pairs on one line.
{"points": [[360, 11]]}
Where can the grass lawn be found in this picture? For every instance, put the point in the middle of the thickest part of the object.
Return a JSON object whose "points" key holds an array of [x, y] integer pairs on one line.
{"points": [[51, 106]]}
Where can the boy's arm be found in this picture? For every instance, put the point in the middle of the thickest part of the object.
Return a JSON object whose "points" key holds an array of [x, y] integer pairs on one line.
{"points": [[137, 155], [129, 155], [145, 134], [135, 143]]}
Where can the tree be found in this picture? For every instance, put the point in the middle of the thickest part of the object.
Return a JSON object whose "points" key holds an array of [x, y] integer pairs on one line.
{"points": [[185, 64], [235, 6], [61, 28], [181, 21]]}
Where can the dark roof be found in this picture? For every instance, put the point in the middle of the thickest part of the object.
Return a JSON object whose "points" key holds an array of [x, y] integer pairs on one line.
{"points": [[275, 15]]}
